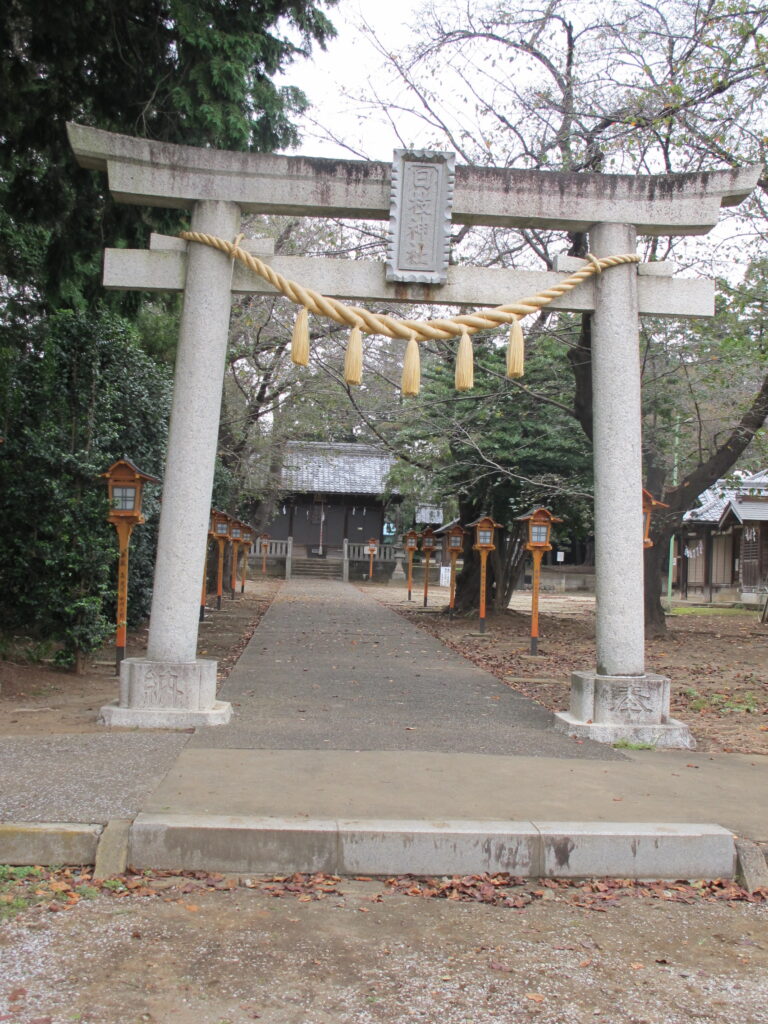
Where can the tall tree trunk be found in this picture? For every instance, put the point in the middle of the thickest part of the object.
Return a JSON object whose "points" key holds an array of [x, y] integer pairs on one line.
{"points": [[655, 619]]}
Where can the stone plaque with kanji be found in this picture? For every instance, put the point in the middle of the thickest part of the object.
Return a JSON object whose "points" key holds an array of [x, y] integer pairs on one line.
{"points": [[420, 216]]}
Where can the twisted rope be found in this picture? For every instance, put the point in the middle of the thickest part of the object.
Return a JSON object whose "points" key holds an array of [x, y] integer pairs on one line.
{"points": [[392, 327]]}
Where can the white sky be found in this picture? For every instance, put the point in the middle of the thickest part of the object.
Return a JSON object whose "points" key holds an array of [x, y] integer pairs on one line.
{"points": [[346, 64]]}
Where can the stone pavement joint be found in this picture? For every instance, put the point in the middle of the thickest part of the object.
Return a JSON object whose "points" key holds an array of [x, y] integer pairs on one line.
{"points": [[751, 869], [112, 851]]}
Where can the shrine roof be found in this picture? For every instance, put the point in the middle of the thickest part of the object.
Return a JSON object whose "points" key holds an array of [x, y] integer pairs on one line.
{"points": [[746, 498], [335, 468]]}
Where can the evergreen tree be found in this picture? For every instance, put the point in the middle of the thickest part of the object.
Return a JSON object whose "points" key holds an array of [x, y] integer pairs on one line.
{"points": [[186, 71]]}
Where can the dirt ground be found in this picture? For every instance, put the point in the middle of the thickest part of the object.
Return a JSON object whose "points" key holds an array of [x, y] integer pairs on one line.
{"points": [[348, 951], [38, 700], [717, 658]]}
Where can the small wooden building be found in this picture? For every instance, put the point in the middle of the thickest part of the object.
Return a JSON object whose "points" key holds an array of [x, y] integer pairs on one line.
{"points": [[723, 548], [330, 493]]}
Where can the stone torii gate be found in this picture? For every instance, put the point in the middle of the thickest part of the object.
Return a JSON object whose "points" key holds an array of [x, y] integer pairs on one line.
{"points": [[170, 687]]}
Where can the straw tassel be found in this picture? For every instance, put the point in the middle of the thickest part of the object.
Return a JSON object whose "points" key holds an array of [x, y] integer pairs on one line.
{"points": [[353, 358], [411, 368], [464, 379], [300, 339], [515, 351]]}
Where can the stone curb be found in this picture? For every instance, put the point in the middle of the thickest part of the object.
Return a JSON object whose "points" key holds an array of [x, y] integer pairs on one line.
{"points": [[383, 847], [48, 843], [375, 847]]}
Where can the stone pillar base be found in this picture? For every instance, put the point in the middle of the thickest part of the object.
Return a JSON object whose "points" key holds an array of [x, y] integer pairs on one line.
{"points": [[635, 709], [162, 695]]}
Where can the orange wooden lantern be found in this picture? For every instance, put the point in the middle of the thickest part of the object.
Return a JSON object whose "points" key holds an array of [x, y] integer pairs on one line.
{"points": [[264, 539], [247, 543], [428, 545], [411, 544], [221, 526], [539, 528], [456, 535], [484, 528], [372, 550], [236, 536], [125, 483]]}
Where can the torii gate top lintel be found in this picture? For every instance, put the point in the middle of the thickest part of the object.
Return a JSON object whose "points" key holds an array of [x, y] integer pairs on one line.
{"points": [[147, 172]]}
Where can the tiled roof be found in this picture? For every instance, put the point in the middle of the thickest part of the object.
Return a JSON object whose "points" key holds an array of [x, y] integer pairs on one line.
{"points": [[742, 496], [335, 468], [713, 503]]}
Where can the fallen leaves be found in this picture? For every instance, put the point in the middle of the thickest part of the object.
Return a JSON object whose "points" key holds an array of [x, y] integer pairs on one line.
{"points": [[593, 894]]}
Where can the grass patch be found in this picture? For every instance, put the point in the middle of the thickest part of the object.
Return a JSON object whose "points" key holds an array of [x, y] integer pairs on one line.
{"points": [[723, 703], [706, 610], [629, 745]]}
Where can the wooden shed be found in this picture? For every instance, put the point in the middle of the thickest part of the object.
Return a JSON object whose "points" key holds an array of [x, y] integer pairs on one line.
{"points": [[722, 552]]}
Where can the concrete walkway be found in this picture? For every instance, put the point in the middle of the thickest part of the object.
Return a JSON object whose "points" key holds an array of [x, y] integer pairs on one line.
{"points": [[361, 744]]}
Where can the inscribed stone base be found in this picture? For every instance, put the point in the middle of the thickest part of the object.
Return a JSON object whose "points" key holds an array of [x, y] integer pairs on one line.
{"points": [[635, 709], [673, 734], [161, 695]]}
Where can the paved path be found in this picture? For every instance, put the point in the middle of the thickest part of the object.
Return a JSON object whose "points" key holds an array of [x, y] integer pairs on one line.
{"points": [[331, 669]]}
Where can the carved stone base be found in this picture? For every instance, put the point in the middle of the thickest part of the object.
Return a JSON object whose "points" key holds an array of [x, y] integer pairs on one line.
{"points": [[635, 709], [398, 572], [161, 695]]}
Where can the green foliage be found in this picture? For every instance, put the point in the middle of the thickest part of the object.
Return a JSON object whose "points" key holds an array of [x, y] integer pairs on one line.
{"points": [[187, 71], [81, 395]]}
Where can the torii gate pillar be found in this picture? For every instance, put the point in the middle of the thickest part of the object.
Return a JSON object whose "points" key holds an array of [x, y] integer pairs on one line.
{"points": [[618, 700], [171, 687]]}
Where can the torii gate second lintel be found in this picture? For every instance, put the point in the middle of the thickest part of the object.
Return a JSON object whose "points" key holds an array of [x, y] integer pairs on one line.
{"points": [[170, 687]]}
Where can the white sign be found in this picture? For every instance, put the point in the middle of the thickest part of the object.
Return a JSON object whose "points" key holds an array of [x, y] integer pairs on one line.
{"points": [[429, 514], [445, 575]]}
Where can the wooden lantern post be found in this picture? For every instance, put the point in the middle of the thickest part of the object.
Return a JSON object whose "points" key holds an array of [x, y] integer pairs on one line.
{"points": [[264, 542], [649, 504], [221, 523], [484, 528], [247, 542], [411, 543], [456, 536], [235, 534], [371, 549], [539, 527], [204, 592], [125, 483], [428, 545]]}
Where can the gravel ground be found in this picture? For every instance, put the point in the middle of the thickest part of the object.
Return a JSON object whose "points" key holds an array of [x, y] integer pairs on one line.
{"points": [[84, 778], [366, 956]]}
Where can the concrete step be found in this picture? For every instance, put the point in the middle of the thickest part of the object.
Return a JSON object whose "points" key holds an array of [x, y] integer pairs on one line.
{"points": [[316, 568], [241, 844]]}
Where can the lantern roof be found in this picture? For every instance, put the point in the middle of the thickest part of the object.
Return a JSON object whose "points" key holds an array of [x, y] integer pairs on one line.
{"points": [[485, 519], [541, 514], [124, 465], [447, 527]]}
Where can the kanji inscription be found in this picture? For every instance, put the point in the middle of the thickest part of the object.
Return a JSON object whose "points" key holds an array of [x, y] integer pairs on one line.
{"points": [[420, 216]]}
